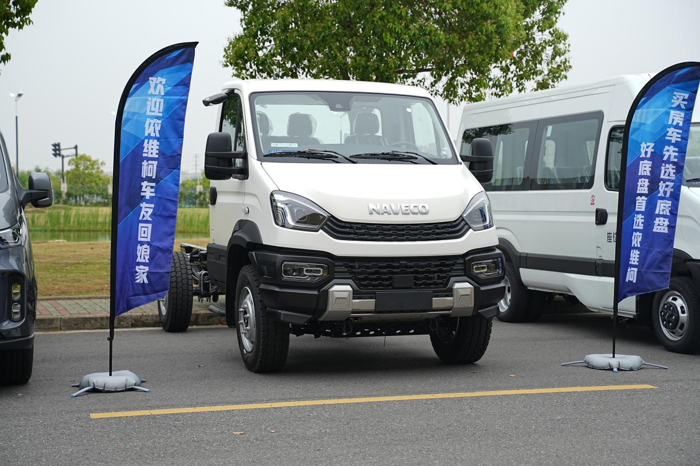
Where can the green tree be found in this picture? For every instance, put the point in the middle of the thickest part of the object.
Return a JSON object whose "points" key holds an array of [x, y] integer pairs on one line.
{"points": [[458, 49], [86, 171], [14, 14]]}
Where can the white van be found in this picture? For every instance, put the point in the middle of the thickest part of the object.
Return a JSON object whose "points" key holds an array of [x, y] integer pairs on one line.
{"points": [[554, 195], [342, 209]]}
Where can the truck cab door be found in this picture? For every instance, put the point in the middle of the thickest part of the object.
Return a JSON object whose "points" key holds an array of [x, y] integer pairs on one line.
{"points": [[226, 205]]}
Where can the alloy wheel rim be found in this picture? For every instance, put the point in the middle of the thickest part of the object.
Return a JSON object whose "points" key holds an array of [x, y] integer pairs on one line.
{"points": [[246, 320], [673, 316], [504, 303], [163, 305]]}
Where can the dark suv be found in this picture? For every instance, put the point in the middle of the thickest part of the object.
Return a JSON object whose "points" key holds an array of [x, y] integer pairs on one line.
{"points": [[17, 282]]}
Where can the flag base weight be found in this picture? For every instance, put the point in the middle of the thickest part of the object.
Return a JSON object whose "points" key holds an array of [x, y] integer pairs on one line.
{"points": [[622, 362], [119, 381]]}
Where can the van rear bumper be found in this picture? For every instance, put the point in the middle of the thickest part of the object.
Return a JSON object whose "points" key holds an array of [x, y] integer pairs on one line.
{"points": [[351, 291]]}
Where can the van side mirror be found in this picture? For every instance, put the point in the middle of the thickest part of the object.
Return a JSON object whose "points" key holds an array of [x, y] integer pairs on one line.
{"points": [[40, 192], [480, 159], [220, 160]]}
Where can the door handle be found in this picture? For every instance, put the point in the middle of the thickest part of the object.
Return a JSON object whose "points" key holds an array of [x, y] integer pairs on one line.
{"points": [[601, 216]]}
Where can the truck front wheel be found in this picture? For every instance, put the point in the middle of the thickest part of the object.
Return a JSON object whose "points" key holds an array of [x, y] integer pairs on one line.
{"points": [[676, 316], [461, 340], [175, 310], [264, 343]]}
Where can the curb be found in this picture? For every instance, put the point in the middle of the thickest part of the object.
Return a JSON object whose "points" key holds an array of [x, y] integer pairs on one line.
{"points": [[57, 323], [73, 298]]}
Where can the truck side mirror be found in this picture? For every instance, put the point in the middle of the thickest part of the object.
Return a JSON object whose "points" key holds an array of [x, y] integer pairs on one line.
{"points": [[219, 159], [480, 159], [40, 192]]}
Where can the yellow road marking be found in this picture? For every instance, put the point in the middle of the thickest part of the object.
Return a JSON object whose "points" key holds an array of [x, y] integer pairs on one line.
{"points": [[375, 399]]}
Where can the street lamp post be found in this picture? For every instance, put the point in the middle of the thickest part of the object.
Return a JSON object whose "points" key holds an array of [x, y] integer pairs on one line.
{"points": [[16, 97]]}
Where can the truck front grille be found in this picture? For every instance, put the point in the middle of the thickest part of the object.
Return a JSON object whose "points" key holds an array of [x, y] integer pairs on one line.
{"points": [[348, 231], [378, 273]]}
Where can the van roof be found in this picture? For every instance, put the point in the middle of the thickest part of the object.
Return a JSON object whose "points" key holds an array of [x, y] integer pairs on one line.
{"points": [[328, 85], [634, 81]]}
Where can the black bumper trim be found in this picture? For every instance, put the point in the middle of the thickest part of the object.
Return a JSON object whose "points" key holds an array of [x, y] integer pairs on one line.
{"points": [[17, 343], [300, 303]]}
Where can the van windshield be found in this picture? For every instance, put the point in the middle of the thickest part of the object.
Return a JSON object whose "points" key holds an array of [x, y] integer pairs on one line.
{"points": [[691, 174], [342, 127]]}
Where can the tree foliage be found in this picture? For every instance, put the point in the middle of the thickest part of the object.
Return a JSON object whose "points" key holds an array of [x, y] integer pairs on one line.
{"points": [[14, 14], [458, 49], [86, 171]]}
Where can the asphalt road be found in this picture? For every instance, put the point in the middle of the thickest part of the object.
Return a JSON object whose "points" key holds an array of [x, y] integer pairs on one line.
{"points": [[41, 424]]}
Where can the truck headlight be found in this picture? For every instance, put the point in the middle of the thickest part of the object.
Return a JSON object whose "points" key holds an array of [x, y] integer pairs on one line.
{"points": [[302, 271], [478, 213], [296, 212]]}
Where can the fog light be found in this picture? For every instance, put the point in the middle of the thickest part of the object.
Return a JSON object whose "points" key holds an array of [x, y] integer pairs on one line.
{"points": [[304, 271], [488, 268], [16, 312], [16, 291]]}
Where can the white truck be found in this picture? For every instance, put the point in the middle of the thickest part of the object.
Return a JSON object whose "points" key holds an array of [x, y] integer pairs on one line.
{"points": [[554, 190], [341, 209]]}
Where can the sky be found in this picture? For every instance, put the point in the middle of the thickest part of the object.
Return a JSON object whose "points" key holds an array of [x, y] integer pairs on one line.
{"points": [[73, 62]]}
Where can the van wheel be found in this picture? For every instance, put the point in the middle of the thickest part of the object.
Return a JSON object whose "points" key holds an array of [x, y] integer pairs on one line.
{"points": [[519, 304], [462, 340], [676, 316], [16, 366], [264, 343], [175, 310]]}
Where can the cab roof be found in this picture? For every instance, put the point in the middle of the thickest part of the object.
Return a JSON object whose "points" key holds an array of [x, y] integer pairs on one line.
{"points": [[250, 86]]}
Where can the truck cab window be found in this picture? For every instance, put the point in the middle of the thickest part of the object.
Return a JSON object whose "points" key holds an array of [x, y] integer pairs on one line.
{"points": [[232, 122]]}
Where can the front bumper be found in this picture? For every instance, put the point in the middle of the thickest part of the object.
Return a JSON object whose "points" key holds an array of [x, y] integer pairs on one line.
{"points": [[443, 286], [16, 334]]}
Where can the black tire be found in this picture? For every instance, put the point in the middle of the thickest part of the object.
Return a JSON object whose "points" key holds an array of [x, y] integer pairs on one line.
{"points": [[16, 366], [524, 305], [270, 346], [679, 308], [463, 340], [175, 311]]}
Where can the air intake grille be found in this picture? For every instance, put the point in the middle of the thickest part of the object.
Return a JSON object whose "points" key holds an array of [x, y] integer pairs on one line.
{"points": [[378, 273], [347, 231]]}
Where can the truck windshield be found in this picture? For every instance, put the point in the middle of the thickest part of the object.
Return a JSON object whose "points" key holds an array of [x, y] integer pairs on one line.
{"points": [[691, 174], [342, 127]]}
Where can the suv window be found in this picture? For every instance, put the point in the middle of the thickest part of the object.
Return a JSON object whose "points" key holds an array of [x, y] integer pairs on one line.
{"points": [[510, 148], [4, 169], [566, 152], [232, 123]]}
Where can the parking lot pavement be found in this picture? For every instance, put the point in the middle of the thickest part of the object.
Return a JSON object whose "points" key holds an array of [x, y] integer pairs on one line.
{"points": [[202, 368]]}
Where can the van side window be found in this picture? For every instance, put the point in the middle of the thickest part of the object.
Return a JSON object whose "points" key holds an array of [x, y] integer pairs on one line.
{"points": [[566, 152], [510, 147], [614, 156], [232, 123]]}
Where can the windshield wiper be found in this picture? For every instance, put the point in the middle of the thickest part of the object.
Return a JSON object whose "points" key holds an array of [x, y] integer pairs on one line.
{"points": [[311, 154], [413, 153], [693, 180], [401, 156]]}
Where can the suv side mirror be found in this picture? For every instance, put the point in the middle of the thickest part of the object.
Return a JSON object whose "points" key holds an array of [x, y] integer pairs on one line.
{"points": [[219, 159], [40, 192], [480, 160]]}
